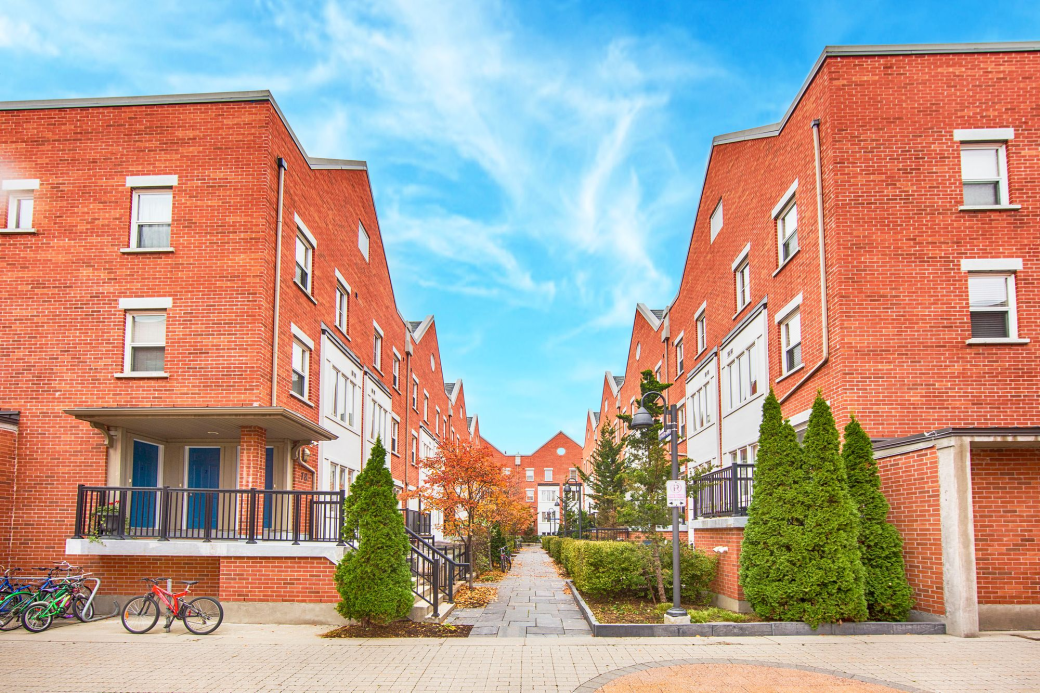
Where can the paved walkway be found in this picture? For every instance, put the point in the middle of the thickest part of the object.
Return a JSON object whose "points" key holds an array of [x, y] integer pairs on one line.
{"points": [[531, 604], [94, 657]]}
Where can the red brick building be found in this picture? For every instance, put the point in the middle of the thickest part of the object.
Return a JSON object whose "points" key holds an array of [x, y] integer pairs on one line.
{"points": [[878, 244], [221, 318], [543, 474]]}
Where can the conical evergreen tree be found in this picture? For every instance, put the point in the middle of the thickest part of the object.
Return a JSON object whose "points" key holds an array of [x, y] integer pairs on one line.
{"points": [[606, 481], [888, 593], [374, 582], [771, 551], [831, 579]]}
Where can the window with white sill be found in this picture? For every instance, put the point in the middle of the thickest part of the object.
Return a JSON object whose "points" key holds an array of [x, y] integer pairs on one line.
{"points": [[304, 260], [991, 298], [379, 422], [397, 372], [744, 455], [344, 397], [530, 495], [342, 306], [679, 362], [984, 174], [701, 407], [529, 474], [741, 376], [681, 409], [415, 394], [395, 429], [300, 369], [548, 474], [787, 232], [362, 240], [20, 210], [791, 341], [377, 346], [702, 333], [145, 342], [742, 282], [152, 213], [716, 220]]}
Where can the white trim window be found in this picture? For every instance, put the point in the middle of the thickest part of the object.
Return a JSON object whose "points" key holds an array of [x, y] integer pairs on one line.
{"points": [[742, 374], [681, 409], [342, 306], [415, 449], [20, 210], [145, 351], [701, 407], [548, 473], [395, 432], [340, 477], [744, 455], [396, 371], [984, 174], [426, 406], [702, 331], [991, 299], [363, 240], [742, 282], [791, 341], [530, 495], [304, 261], [377, 348], [787, 232], [344, 398], [529, 474], [716, 220], [378, 427], [415, 393], [301, 357], [680, 364], [151, 214]]}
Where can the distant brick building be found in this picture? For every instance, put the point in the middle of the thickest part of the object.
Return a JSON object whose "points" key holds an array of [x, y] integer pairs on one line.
{"points": [[543, 474], [878, 244], [195, 306]]}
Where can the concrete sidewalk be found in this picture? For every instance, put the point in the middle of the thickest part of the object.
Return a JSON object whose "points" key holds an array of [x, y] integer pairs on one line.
{"points": [[103, 657]]}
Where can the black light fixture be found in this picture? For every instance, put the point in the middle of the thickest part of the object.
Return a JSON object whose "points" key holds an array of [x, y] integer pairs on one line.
{"points": [[641, 420]]}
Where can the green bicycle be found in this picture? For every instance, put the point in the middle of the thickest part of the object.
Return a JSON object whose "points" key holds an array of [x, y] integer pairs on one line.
{"points": [[67, 596], [15, 603]]}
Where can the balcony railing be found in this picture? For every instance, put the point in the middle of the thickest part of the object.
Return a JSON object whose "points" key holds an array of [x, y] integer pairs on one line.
{"points": [[251, 515], [724, 492], [418, 522]]}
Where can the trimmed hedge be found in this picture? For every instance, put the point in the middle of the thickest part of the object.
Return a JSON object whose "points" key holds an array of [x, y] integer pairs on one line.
{"points": [[696, 571], [622, 568]]}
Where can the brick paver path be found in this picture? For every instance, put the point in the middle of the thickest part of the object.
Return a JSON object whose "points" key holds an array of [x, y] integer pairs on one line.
{"points": [[94, 657], [531, 603]]}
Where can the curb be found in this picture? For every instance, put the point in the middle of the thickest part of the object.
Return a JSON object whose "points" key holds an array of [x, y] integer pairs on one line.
{"points": [[769, 628]]}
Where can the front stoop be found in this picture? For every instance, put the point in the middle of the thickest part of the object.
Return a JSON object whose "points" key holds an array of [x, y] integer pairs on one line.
{"points": [[422, 612]]}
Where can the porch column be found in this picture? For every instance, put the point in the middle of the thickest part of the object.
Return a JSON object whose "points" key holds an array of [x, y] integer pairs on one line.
{"points": [[251, 472], [958, 537]]}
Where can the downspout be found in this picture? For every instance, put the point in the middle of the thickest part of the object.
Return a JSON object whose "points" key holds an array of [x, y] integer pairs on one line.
{"points": [[277, 280], [824, 329]]}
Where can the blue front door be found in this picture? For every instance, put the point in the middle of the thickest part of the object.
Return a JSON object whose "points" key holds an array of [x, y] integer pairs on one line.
{"points": [[268, 484], [145, 472], [203, 472]]}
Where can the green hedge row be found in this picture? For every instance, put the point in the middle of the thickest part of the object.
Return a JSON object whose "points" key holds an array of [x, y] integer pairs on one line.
{"points": [[621, 568]]}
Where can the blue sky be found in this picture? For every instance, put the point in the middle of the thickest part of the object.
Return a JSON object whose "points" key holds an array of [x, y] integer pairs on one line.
{"points": [[536, 166]]}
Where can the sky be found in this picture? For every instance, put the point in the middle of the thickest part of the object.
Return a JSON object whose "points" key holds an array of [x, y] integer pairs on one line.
{"points": [[536, 166]]}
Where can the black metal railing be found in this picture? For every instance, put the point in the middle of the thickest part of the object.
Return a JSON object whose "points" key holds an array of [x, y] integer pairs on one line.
{"points": [[418, 522], [163, 513], [607, 534], [724, 492], [436, 569]]}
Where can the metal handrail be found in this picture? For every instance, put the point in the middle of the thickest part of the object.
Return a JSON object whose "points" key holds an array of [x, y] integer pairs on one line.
{"points": [[453, 570], [724, 492]]}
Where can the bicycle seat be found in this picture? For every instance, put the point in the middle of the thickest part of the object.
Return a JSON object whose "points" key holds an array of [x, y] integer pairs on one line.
{"points": [[190, 582]]}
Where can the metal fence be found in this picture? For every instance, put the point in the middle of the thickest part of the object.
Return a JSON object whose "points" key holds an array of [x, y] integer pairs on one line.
{"points": [[724, 492]]}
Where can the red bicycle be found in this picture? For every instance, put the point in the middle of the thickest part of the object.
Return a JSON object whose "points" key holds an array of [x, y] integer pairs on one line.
{"points": [[201, 615]]}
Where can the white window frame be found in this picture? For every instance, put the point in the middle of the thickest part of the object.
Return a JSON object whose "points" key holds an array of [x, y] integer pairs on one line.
{"points": [[310, 243], [377, 347], [1006, 269], [14, 210], [742, 283], [342, 304], [988, 138], [746, 362], [745, 454], [364, 241], [548, 473], [415, 393], [426, 406], [395, 434], [701, 409], [529, 474], [680, 354], [437, 421], [701, 326], [784, 234], [783, 319], [415, 448], [344, 393], [304, 370], [130, 345], [395, 370], [716, 227], [530, 495], [135, 223]]}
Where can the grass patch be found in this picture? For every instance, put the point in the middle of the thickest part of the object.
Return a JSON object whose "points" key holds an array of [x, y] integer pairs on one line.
{"points": [[635, 610]]}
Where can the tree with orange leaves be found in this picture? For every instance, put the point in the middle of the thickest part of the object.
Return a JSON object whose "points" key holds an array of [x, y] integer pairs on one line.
{"points": [[465, 483]]}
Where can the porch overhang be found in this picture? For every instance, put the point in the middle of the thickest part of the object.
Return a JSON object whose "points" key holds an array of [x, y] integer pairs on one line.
{"points": [[203, 423]]}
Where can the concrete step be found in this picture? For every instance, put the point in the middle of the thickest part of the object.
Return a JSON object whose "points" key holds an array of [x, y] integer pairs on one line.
{"points": [[422, 612]]}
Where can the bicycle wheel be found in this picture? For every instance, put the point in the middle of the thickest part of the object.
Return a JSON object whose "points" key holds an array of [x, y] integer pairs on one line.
{"points": [[37, 617], [140, 615], [203, 615], [78, 604], [11, 610]]}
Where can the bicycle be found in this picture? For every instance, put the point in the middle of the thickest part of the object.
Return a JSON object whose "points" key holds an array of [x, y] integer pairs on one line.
{"points": [[201, 615], [505, 560], [14, 605], [66, 599]]}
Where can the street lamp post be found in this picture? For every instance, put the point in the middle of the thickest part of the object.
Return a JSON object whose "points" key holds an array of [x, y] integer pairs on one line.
{"points": [[574, 489], [641, 421]]}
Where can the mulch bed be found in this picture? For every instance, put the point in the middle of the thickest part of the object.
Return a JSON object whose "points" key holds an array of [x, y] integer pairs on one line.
{"points": [[491, 576], [635, 610], [401, 629], [475, 598]]}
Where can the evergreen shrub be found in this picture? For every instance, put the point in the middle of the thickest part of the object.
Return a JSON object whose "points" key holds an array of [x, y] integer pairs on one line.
{"points": [[696, 571]]}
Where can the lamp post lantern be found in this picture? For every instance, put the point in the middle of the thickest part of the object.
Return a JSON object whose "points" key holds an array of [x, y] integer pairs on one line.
{"points": [[641, 421], [574, 488]]}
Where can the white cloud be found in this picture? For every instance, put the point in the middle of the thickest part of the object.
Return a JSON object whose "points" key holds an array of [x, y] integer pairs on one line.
{"points": [[20, 35]]}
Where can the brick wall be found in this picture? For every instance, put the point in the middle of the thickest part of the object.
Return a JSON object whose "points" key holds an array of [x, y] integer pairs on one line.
{"points": [[1005, 488], [910, 482], [121, 575], [8, 461], [727, 579], [278, 580]]}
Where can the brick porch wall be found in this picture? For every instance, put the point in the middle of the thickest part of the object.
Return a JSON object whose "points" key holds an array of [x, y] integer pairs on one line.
{"points": [[8, 458], [121, 575], [1005, 487], [910, 482], [727, 579], [278, 580]]}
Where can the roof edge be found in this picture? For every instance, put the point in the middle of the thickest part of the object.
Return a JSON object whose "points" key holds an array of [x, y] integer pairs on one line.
{"points": [[177, 99]]}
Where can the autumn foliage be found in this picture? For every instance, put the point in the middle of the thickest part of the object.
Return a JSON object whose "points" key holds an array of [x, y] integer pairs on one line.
{"points": [[466, 484]]}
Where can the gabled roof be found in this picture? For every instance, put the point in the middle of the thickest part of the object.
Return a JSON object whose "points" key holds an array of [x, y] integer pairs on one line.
{"points": [[171, 99], [453, 390], [448, 387], [413, 325], [419, 328], [652, 316], [595, 417], [619, 380]]}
